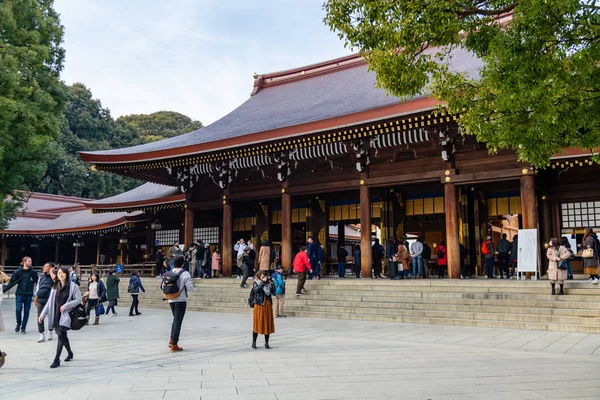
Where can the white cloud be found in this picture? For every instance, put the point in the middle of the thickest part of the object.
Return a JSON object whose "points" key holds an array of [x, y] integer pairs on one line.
{"points": [[194, 57]]}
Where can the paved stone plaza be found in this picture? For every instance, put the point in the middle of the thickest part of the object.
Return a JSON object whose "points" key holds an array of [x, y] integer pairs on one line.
{"points": [[127, 358]]}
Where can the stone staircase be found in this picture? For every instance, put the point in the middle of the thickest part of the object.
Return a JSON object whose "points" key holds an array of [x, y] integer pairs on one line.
{"points": [[476, 303]]}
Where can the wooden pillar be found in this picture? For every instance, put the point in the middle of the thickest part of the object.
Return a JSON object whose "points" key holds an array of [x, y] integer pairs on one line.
{"points": [[546, 228], [366, 248], [262, 226], [98, 250], [123, 253], [227, 243], [286, 231], [57, 251], [529, 202], [188, 227], [452, 239], [3, 254]]}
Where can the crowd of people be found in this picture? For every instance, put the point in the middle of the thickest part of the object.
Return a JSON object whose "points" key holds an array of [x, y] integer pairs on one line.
{"points": [[198, 260]]}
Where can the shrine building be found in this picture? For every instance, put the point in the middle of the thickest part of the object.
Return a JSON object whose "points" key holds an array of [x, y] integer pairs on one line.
{"points": [[315, 151]]}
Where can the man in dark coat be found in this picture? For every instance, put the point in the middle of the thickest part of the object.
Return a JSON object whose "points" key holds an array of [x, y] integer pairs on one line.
{"points": [[378, 254], [25, 278], [342, 253], [313, 258]]}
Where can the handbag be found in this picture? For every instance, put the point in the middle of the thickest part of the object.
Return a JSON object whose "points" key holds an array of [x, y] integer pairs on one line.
{"points": [[100, 309], [587, 253], [562, 264], [79, 317]]}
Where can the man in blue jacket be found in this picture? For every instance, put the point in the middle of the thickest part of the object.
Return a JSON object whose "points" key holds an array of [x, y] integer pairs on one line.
{"points": [[313, 259], [25, 278]]}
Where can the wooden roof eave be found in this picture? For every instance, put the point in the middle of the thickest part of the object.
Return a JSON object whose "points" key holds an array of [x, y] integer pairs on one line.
{"points": [[139, 205], [368, 116]]}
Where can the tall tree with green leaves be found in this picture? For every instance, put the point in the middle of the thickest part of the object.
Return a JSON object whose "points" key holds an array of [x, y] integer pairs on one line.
{"points": [[539, 91], [31, 96], [160, 125], [86, 125]]}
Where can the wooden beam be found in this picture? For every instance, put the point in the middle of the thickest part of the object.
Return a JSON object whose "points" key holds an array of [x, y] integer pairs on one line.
{"points": [[486, 176], [227, 243], [286, 231], [366, 249], [391, 180], [205, 205], [452, 239]]}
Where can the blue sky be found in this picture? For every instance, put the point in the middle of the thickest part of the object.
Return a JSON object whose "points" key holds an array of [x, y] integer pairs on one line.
{"points": [[196, 57]]}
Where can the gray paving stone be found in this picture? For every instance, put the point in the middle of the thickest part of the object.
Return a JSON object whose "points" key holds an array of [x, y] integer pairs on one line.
{"points": [[127, 358]]}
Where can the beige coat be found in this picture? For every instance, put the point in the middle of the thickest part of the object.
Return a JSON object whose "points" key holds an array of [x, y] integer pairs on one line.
{"points": [[264, 258], [554, 256], [404, 257]]}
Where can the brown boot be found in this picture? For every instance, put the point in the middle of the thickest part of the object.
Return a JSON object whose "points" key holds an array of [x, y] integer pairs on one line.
{"points": [[175, 348], [96, 321], [170, 343]]}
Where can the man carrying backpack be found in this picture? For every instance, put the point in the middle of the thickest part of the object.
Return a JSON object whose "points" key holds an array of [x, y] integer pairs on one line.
{"points": [[487, 249], [176, 286]]}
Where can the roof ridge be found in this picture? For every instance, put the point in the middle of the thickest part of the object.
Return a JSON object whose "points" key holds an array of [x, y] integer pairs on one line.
{"points": [[305, 72], [66, 199]]}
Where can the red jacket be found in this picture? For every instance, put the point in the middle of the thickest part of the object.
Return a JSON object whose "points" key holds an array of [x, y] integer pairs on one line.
{"points": [[301, 263], [443, 260]]}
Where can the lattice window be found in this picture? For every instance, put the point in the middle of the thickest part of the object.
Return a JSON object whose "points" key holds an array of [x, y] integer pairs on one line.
{"points": [[581, 214], [425, 206], [167, 237], [209, 234]]}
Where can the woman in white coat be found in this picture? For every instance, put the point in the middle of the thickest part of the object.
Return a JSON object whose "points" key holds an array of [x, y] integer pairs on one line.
{"points": [[555, 255], [63, 297]]}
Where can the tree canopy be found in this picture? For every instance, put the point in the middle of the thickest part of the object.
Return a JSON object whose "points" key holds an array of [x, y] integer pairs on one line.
{"points": [[31, 95], [539, 90], [160, 125]]}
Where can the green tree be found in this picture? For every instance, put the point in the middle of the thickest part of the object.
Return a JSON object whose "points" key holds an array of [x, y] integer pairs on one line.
{"points": [[85, 125], [539, 90], [160, 125], [31, 96]]}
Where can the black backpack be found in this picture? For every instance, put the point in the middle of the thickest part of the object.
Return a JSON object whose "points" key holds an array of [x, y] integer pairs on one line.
{"points": [[440, 254], [170, 285]]}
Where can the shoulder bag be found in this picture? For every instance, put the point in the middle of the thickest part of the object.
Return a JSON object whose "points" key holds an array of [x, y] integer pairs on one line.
{"points": [[587, 253], [79, 317]]}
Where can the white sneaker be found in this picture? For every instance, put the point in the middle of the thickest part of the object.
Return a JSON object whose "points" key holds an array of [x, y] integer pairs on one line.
{"points": [[239, 277], [42, 338], [50, 335], [590, 280], [595, 281]]}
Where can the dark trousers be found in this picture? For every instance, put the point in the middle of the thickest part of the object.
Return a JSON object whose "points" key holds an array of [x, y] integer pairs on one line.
{"points": [[357, 270], [301, 281], [313, 265], [503, 264], [63, 341], [441, 271], [178, 311], [316, 269], [111, 306], [341, 269], [463, 269], [41, 327], [392, 268], [23, 305], [377, 266], [92, 303], [246, 275], [134, 304], [489, 267]]}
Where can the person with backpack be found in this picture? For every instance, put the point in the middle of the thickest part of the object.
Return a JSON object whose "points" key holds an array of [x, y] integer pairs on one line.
{"points": [[487, 249], [442, 259], [564, 242], [176, 286], [246, 268], [25, 278], [239, 249], [42, 293], [590, 248], [135, 284], [64, 296], [279, 283]]}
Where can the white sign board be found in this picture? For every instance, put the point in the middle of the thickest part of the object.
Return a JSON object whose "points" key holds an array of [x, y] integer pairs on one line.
{"points": [[527, 255], [573, 243]]}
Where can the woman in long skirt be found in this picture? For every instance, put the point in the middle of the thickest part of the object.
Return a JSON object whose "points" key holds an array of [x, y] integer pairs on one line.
{"points": [[263, 321]]}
